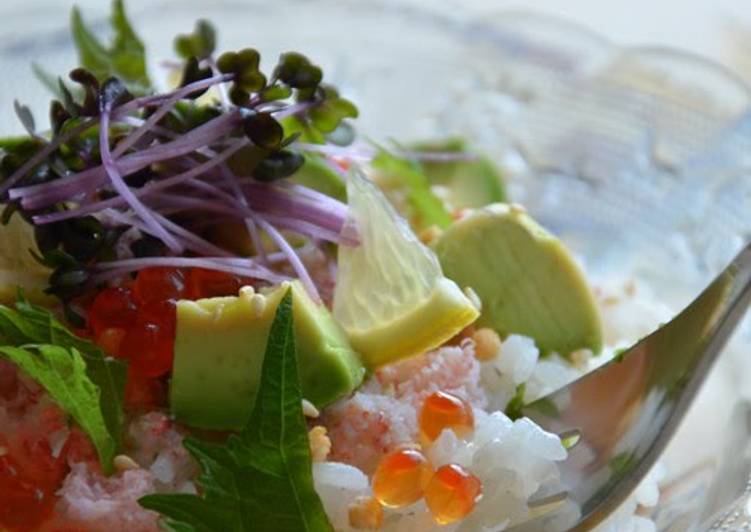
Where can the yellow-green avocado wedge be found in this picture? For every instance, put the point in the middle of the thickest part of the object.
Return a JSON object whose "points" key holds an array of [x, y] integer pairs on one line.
{"points": [[219, 349], [526, 279]]}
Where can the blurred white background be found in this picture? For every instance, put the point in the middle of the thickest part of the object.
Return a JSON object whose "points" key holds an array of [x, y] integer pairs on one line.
{"points": [[718, 29]]}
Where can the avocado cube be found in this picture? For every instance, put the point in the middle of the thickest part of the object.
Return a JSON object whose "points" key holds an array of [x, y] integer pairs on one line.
{"points": [[219, 348]]}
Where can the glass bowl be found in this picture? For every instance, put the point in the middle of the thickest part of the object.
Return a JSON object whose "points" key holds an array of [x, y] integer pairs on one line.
{"points": [[639, 158]]}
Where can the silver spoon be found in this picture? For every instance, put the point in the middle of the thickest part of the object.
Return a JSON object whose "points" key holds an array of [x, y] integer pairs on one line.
{"points": [[624, 413]]}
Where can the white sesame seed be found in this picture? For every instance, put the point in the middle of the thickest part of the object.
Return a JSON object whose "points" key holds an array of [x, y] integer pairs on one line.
{"points": [[258, 302], [123, 462], [309, 409]]}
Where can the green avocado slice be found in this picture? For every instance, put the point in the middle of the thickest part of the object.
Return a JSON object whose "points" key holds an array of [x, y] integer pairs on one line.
{"points": [[219, 348], [471, 183], [526, 279]]}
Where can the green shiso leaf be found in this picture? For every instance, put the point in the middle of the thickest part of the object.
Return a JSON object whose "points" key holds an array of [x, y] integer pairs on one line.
{"points": [[125, 58], [260, 479], [199, 44], [62, 372], [76, 373]]}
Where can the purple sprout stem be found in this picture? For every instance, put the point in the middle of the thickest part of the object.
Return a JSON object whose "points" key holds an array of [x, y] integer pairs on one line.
{"points": [[265, 199], [42, 154], [141, 192], [293, 258], [251, 223], [110, 166], [191, 241], [221, 88], [163, 109], [210, 263], [45, 194], [157, 99], [293, 109], [128, 107]]}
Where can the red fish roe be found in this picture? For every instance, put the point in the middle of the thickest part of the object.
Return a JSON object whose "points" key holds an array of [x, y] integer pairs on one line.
{"points": [[443, 410], [201, 283], [401, 477], [452, 493], [157, 285], [112, 307]]}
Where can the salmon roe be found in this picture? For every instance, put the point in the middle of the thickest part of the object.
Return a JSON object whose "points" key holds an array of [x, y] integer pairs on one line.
{"points": [[442, 410], [452, 493], [401, 477], [202, 283]]}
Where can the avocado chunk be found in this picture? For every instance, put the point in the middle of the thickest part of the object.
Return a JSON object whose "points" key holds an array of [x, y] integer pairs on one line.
{"points": [[219, 348], [471, 182], [526, 279]]}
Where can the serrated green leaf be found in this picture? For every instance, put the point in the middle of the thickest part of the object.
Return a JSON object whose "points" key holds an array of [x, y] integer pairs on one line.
{"points": [[200, 43], [28, 324], [63, 374], [125, 58], [260, 479]]}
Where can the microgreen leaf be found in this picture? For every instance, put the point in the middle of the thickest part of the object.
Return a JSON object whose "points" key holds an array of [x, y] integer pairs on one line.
{"points": [[199, 44], [327, 115], [125, 58], [297, 71], [263, 130], [192, 72], [76, 373], [244, 65], [24, 115], [260, 479], [278, 165]]}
